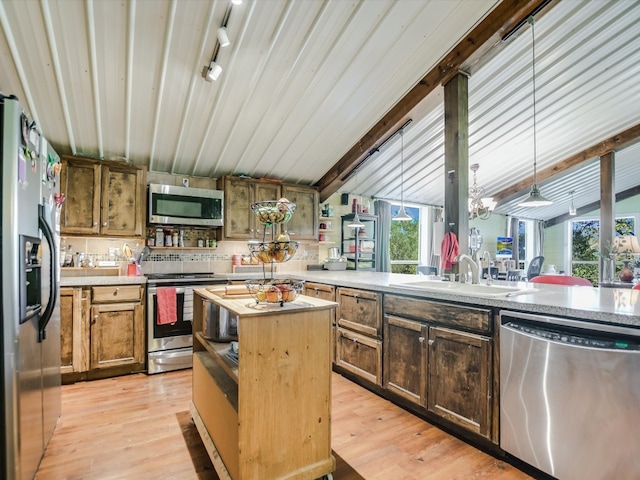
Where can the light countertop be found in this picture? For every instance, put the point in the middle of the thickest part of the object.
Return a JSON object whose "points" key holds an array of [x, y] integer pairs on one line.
{"points": [[606, 305], [102, 280]]}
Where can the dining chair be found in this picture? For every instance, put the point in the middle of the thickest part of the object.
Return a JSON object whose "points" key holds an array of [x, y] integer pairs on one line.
{"points": [[535, 267], [493, 271], [427, 270], [513, 275]]}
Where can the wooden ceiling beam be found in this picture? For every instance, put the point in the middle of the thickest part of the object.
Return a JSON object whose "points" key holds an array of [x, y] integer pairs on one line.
{"points": [[489, 32], [616, 142]]}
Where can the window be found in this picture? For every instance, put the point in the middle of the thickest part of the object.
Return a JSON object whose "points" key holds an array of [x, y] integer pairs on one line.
{"points": [[585, 236], [404, 241]]}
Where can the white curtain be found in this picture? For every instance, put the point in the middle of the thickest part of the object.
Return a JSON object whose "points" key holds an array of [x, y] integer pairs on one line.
{"points": [[539, 236], [513, 232], [383, 210]]}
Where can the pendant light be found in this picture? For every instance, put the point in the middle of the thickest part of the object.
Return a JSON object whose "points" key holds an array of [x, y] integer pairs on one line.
{"points": [[535, 198], [356, 223], [572, 207], [402, 215]]}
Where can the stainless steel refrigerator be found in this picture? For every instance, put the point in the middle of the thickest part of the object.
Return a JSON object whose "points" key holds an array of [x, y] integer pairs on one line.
{"points": [[30, 333]]}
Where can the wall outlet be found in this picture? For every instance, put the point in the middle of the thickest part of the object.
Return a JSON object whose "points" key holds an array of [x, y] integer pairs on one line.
{"points": [[185, 182]]}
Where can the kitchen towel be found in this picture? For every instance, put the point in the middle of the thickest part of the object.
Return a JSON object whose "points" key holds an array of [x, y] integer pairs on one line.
{"points": [[449, 250], [167, 306]]}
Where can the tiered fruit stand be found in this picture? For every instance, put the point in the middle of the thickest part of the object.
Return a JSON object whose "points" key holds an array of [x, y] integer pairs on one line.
{"points": [[272, 214]]}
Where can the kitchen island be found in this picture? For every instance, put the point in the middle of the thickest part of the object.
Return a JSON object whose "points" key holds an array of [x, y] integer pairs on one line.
{"points": [[269, 414]]}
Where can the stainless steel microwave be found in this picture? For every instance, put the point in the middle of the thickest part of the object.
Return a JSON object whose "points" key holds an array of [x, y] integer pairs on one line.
{"points": [[173, 205]]}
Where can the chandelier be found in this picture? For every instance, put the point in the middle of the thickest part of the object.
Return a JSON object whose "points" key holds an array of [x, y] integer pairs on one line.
{"points": [[479, 205]]}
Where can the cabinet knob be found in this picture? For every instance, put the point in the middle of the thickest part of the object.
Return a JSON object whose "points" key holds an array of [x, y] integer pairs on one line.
{"points": [[104, 224], [95, 223], [431, 342], [421, 339], [117, 289]]}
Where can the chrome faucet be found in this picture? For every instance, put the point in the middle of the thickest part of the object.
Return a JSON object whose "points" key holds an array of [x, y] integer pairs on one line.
{"points": [[486, 257], [475, 273]]}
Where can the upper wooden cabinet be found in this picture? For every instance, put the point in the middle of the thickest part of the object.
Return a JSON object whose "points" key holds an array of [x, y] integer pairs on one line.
{"points": [[304, 223], [102, 198], [241, 224]]}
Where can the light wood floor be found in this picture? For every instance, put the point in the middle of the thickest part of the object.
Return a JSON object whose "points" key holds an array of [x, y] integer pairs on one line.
{"points": [[139, 427]]}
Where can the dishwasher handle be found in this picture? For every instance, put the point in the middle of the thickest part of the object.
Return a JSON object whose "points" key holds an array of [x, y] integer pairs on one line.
{"points": [[606, 342]]}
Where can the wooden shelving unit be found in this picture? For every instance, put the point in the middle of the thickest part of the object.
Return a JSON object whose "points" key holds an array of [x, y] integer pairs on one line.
{"points": [[269, 415]]}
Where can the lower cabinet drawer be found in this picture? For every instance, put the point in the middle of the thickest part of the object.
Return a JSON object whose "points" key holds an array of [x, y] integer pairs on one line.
{"points": [[117, 293], [359, 354]]}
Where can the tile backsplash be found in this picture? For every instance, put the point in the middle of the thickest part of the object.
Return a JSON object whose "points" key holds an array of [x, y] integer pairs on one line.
{"points": [[180, 260]]}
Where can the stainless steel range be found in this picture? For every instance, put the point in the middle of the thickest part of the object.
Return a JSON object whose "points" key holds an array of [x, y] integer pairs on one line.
{"points": [[170, 346]]}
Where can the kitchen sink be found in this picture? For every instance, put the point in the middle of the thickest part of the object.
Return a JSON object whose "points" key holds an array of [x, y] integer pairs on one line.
{"points": [[466, 288]]}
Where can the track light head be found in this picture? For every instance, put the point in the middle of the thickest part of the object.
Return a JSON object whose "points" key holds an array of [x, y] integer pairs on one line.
{"points": [[213, 72], [223, 38], [236, 2]]}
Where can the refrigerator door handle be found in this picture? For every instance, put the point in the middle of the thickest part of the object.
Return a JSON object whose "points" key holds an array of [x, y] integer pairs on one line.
{"points": [[53, 284]]}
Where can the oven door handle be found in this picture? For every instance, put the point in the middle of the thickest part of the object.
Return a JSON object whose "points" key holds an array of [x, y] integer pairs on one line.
{"points": [[179, 290]]}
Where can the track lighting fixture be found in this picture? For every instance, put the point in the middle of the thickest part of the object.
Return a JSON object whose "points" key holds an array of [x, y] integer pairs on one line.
{"points": [[223, 38], [213, 72]]}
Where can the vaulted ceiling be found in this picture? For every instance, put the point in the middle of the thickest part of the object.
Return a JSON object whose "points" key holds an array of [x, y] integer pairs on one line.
{"points": [[304, 81]]}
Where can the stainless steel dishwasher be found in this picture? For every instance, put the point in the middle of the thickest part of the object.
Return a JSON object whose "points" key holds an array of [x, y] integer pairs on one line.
{"points": [[570, 396]]}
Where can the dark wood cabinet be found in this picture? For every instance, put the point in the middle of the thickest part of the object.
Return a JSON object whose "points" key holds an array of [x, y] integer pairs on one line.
{"points": [[405, 358], [440, 356], [102, 198], [360, 310], [459, 378], [359, 333], [359, 354]]}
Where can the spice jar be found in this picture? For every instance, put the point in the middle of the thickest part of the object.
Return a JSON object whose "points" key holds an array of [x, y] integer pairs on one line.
{"points": [[174, 238], [159, 237], [167, 238]]}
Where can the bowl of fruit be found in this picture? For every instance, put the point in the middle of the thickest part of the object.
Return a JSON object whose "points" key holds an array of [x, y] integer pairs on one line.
{"points": [[275, 291], [281, 250], [271, 212]]}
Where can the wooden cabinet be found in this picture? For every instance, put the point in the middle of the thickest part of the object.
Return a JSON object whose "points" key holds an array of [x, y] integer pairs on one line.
{"points": [[359, 244], [359, 333], [117, 327], [460, 380], [74, 329], [102, 198], [241, 223], [102, 331], [304, 223], [440, 356], [268, 415], [325, 292], [405, 358]]}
